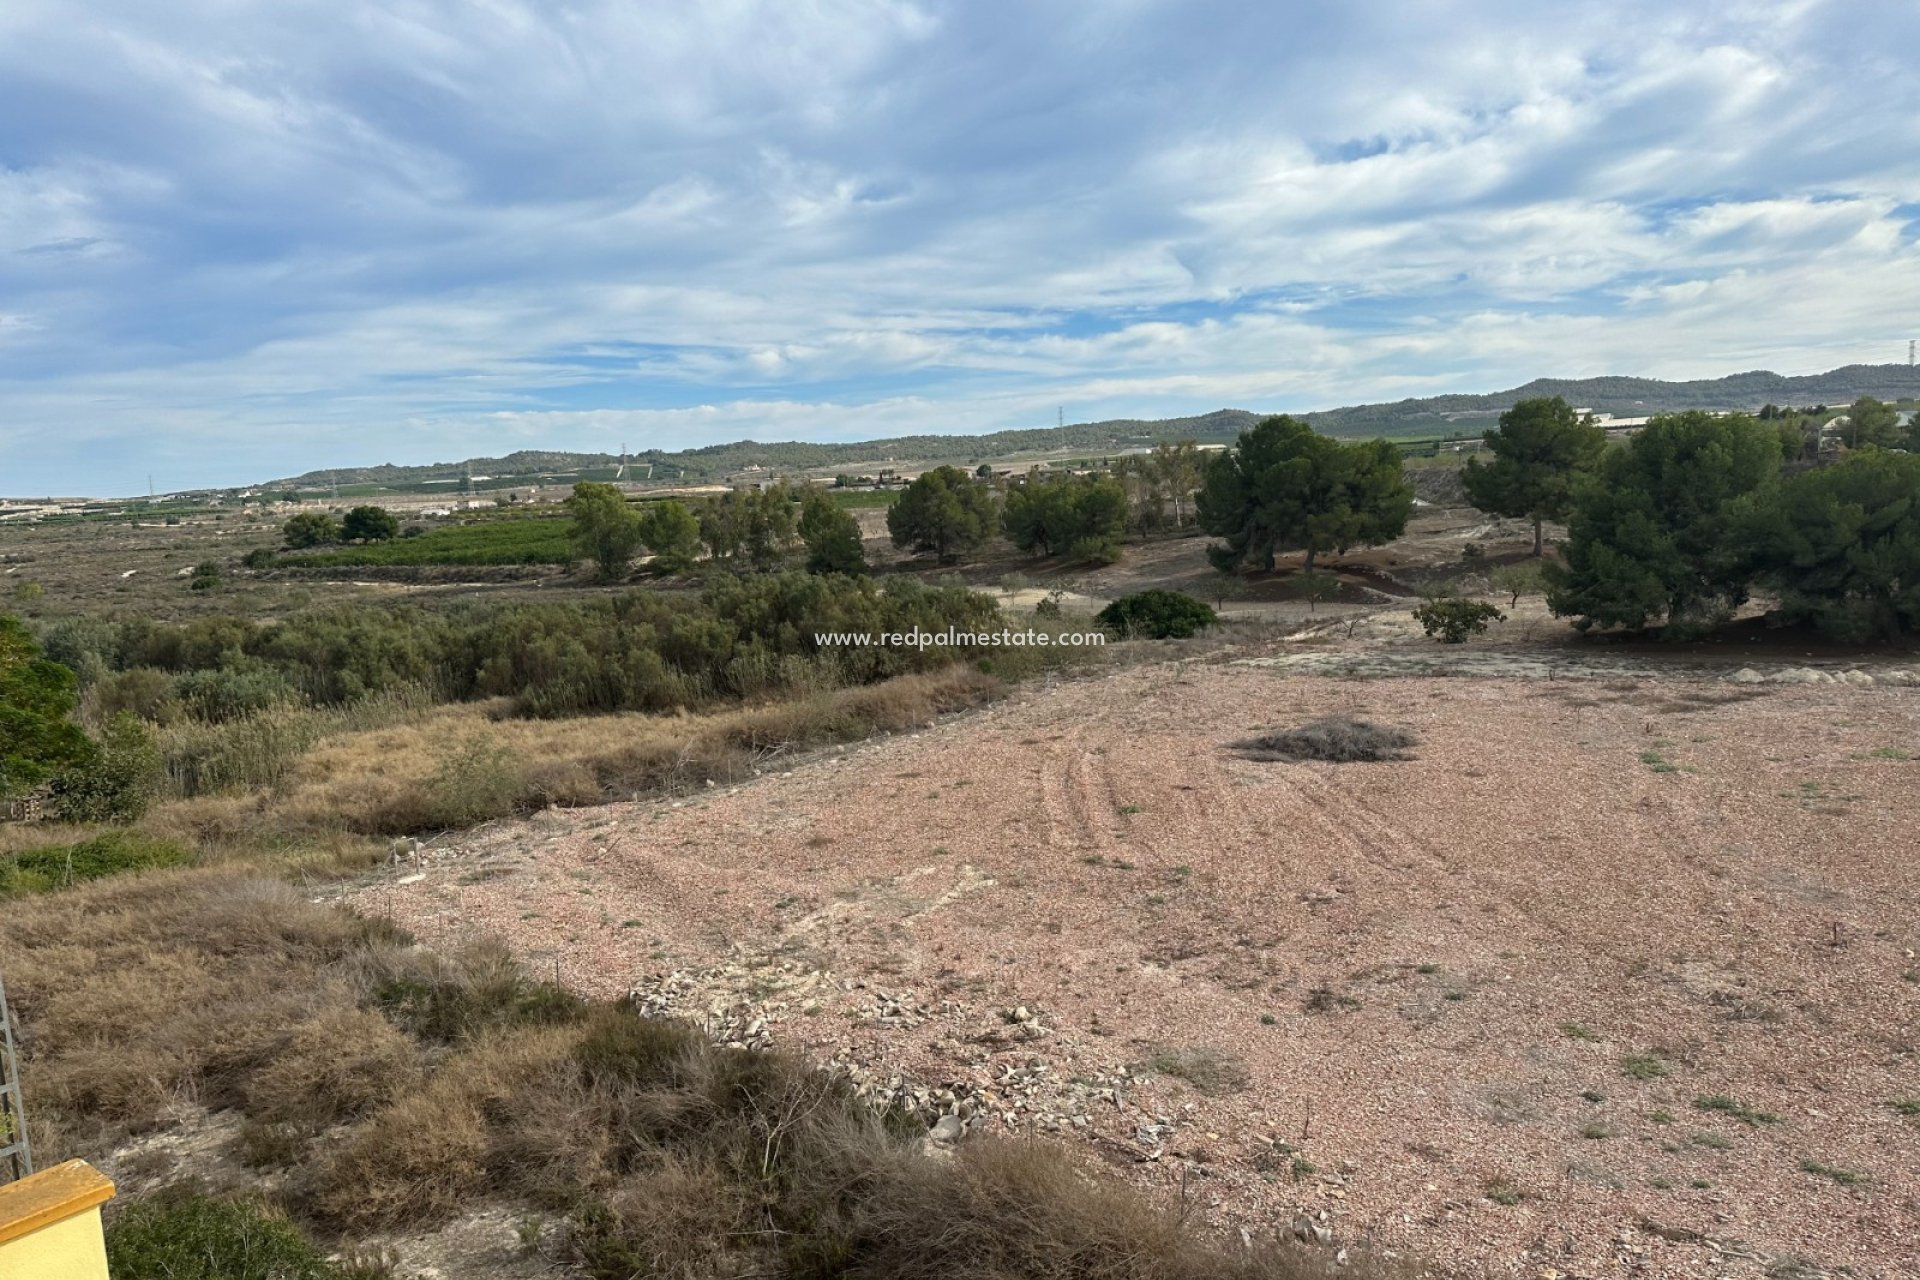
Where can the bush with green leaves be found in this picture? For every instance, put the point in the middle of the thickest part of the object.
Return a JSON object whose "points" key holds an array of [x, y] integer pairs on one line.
{"points": [[636, 651], [1156, 614], [1452, 619], [120, 779], [206, 576], [310, 529], [180, 1235]]}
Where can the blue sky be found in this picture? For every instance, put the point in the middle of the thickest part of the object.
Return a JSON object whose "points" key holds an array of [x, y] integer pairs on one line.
{"points": [[240, 240]]}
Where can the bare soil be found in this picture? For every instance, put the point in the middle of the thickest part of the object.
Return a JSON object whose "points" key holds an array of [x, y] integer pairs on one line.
{"points": [[1616, 977]]}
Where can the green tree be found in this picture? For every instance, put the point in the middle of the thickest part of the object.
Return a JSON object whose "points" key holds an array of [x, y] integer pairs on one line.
{"points": [[1649, 536], [831, 535], [1840, 545], [1540, 449], [1081, 516], [672, 533], [1285, 487], [369, 524], [1871, 422], [943, 511], [605, 529], [310, 529], [37, 695]]}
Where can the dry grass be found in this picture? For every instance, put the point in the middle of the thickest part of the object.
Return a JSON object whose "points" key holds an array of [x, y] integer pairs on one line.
{"points": [[1336, 739], [399, 1089], [458, 766]]}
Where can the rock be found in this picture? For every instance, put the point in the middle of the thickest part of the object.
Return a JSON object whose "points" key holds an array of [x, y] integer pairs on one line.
{"points": [[948, 1129], [1308, 1231], [1746, 675]]}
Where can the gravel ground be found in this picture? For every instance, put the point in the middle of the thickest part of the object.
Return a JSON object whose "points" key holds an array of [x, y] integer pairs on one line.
{"points": [[1468, 1007]]}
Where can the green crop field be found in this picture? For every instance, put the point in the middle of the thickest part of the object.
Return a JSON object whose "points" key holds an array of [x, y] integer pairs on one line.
{"points": [[864, 497], [539, 540]]}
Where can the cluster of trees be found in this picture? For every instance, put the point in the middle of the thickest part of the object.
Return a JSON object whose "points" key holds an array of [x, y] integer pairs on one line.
{"points": [[1285, 487], [947, 513], [320, 529], [1160, 485], [751, 530], [1694, 513]]}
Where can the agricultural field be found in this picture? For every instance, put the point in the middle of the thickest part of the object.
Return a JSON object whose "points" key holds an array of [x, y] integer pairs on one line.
{"points": [[536, 540]]}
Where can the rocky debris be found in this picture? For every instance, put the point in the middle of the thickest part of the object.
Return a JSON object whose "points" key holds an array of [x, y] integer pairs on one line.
{"points": [[1815, 675]]}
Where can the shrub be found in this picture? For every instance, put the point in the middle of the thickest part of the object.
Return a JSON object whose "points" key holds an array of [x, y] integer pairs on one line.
{"points": [[118, 782], [141, 692], [1339, 739], [56, 866], [187, 1236], [1451, 619], [206, 576], [1516, 580], [1156, 614], [223, 694], [480, 989], [369, 524], [310, 529]]}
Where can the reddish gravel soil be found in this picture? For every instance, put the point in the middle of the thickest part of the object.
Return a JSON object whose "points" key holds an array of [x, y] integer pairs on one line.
{"points": [[1467, 1007]]}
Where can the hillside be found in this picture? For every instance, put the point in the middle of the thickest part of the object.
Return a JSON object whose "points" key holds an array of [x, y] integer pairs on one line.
{"points": [[1412, 417]]}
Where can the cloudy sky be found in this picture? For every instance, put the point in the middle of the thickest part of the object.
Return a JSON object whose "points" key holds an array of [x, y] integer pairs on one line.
{"points": [[242, 238]]}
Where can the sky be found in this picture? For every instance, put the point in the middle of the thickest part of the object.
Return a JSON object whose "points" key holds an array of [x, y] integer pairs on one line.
{"points": [[240, 239]]}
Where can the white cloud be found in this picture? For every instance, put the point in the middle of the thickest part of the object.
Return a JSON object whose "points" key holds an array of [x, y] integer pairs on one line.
{"points": [[249, 238]]}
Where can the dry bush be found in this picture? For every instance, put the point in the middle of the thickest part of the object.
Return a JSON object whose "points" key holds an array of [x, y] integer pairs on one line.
{"points": [[436, 1150], [200, 987], [1338, 739], [1211, 1070], [340, 1064], [673, 1155], [1006, 1210], [458, 766]]}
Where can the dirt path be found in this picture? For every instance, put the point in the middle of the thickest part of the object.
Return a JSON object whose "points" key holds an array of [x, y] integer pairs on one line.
{"points": [[1616, 978]]}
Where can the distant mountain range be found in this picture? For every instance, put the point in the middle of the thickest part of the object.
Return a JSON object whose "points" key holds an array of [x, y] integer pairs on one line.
{"points": [[1427, 416]]}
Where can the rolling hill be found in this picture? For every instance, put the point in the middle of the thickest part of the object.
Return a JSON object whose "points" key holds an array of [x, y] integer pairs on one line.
{"points": [[1432, 415]]}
